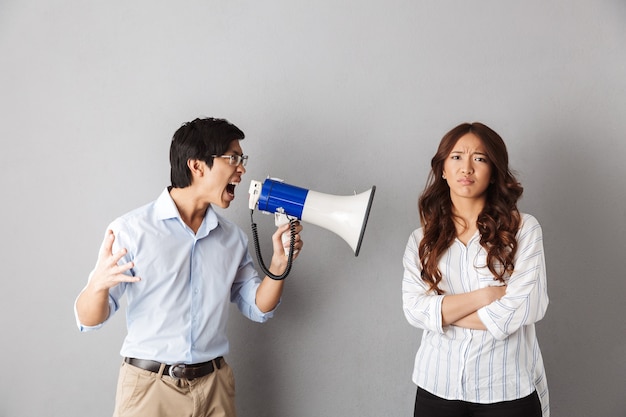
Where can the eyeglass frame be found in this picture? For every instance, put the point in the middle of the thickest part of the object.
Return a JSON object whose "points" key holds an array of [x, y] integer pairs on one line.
{"points": [[234, 160]]}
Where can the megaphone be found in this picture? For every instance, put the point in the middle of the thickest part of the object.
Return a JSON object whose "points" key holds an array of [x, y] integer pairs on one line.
{"points": [[345, 216]]}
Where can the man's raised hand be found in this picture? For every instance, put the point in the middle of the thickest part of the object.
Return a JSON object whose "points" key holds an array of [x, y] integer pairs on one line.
{"points": [[107, 273]]}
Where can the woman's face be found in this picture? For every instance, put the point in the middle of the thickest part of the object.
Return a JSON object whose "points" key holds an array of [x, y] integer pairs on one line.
{"points": [[467, 169]]}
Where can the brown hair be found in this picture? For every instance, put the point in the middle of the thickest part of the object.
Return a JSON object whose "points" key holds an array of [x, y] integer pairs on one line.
{"points": [[497, 224]]}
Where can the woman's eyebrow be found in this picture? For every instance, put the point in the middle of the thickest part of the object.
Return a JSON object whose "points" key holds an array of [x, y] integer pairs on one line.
{"points": [[480, 153]]}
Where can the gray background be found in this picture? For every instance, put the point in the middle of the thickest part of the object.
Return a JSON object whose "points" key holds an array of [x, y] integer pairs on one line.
{"points": [[334, 97]]}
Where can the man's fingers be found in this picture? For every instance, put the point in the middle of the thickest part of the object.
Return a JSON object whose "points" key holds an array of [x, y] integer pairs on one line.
{"points": [[120, 269], [106, 248], [107, 257], [126, 278], [114, 259]]}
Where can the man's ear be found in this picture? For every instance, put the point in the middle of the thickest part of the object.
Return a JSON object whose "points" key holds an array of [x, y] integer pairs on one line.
{"points": [[196, 167]]}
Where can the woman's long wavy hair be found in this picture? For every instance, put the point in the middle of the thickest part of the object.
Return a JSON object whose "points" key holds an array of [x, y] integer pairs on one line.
{"points": [[497, 224]]}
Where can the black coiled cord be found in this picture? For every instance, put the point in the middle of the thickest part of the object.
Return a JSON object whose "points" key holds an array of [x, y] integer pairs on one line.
{"points": [[292, 242]]}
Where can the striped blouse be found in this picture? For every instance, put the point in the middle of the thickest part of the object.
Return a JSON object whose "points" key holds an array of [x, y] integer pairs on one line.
{"points": [[502, 363]]}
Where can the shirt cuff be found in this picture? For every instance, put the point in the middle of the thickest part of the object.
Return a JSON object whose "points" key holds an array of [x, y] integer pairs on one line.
{"points": [[489, 321]]}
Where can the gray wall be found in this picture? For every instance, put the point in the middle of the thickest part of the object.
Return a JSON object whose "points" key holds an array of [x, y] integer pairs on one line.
{"points": [[335, 97]]}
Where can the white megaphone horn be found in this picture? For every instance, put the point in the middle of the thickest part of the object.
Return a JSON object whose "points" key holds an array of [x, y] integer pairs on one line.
{"points": [[345, 216]]}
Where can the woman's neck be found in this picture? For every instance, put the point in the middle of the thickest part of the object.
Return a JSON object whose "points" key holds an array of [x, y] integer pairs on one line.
{"points": [[465, 216]]}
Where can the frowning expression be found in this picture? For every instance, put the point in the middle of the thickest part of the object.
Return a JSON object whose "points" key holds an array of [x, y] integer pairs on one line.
{"points": [[467, 168]]}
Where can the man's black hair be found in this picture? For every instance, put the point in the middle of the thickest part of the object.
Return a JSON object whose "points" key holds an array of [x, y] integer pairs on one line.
{"points": [[199, 139]]}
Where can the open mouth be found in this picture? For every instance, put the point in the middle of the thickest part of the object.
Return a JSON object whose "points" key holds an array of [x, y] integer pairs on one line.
{"points": [[230, 189]]}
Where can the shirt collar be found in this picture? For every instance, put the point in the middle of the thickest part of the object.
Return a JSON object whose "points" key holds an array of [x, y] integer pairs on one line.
{"points": [[165, 209]]}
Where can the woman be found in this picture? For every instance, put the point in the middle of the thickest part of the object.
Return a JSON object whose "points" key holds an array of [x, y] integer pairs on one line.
{"points": [[474, 281]]}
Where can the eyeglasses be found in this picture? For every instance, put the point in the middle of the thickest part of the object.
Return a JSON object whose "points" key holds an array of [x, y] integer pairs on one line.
{"points": [[234, 160]]}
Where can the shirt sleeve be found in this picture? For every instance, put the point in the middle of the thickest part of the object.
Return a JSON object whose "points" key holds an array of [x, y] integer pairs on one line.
{"points": [[422, 308], [112, 309], [243, 292], [526, 298]]}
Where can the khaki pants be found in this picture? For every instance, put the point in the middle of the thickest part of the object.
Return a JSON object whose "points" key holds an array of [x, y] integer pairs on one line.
{"points": [[143, 393]]}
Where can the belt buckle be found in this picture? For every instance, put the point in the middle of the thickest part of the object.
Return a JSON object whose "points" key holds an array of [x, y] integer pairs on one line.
{"points": [[174, 366]]}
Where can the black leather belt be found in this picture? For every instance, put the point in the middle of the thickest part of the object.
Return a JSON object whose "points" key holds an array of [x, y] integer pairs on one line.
{"points": [[178, 370]]}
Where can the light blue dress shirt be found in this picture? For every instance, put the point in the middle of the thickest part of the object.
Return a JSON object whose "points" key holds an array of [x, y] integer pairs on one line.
{"points": [[179, 310]]}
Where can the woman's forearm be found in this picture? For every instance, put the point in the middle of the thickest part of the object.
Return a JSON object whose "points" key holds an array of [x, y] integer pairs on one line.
{"points": [[459, 306], [471, 321]]}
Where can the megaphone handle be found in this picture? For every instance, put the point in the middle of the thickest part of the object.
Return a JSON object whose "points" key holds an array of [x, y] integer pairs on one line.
{"points": [[255, 236], [281, 219], [286, 238]]}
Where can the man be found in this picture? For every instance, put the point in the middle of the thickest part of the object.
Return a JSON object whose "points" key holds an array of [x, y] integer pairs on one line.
{"points": [[179, 264]]}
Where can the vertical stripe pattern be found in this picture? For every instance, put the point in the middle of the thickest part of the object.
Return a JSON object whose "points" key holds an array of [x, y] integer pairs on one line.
{"points": [[504, 362]]}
